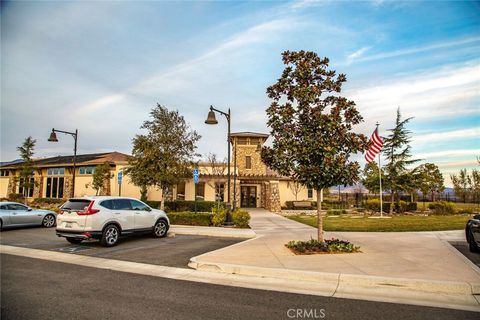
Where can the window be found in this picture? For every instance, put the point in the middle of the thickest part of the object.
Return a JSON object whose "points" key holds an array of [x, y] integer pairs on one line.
{"points": [[55, 171], [137, 205], [30, 187], [200, 191], [54, 188], [220, 192], [122, 204], [3, 207], [310, 193], [15, 206], [4, 173], [76, 204], [242, 141], [181, 191], [107, 204], [86, 170], [248, 162]]}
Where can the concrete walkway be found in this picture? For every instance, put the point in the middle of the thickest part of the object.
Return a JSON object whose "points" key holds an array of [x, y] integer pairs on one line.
{"points": [[411, 255]]}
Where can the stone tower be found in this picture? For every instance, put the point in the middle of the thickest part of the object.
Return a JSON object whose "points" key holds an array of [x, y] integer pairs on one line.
{"points": [[246, 148]]}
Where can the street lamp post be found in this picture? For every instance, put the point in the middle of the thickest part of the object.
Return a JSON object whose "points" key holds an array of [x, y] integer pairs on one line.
{"points": [[212, 120], [53, 138]]}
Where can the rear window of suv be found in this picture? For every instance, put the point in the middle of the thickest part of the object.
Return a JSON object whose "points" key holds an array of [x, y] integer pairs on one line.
{"points": [[76, 204]]}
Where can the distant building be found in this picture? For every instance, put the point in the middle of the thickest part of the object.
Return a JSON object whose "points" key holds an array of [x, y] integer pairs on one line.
{"points": [[256, 185]]}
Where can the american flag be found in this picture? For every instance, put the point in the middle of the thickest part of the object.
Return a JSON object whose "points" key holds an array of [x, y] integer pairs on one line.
{"points": [[375, 146]]}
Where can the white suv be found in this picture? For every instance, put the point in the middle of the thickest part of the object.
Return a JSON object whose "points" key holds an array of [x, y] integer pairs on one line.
{"points": [[106, 218]]}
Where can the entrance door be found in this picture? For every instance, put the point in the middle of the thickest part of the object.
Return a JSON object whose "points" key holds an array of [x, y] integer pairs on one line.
{"points": [[248, 197]]}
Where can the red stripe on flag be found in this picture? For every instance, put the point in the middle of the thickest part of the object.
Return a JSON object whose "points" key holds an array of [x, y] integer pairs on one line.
{"points": [[376, 144]]}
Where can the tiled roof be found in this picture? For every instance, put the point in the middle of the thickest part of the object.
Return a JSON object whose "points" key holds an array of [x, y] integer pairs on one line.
{"points": [[82, 159], [249, 134]]}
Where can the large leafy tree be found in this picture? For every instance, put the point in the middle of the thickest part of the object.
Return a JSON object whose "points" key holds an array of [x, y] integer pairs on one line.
{"points": [[311, 126], [26, 151], [398, 154], [430, 180], [164, 155]]}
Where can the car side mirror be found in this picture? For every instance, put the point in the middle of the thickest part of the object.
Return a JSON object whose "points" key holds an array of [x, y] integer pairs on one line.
{"points": [[148, 209], [29, 209]]}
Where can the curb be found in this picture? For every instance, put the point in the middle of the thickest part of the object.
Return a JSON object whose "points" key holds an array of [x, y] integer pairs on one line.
{"points": [[213, 231], [429, 286]]}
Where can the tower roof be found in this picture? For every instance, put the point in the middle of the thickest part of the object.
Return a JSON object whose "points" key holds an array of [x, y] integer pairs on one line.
{"points": [[249, 134]]}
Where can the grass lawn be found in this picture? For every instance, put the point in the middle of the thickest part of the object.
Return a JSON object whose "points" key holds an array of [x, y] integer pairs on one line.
{"points": [[398, 223]]}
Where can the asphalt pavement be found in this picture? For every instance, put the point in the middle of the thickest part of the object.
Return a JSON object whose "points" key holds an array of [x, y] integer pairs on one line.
{"points": [[39, 289], [170, 251]]}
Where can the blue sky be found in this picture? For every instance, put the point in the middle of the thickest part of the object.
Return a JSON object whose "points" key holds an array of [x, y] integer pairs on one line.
{"points": [[101, 66]]}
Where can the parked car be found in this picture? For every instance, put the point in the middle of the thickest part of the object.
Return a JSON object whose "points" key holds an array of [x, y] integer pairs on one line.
{"points": [[472, 233], [107, 218], [13, 214]]}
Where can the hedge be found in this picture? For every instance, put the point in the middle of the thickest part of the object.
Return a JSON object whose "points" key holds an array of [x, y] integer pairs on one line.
{"points": [[374, 205], [442, 207], [182, 205], [190, 218], [48, 201]]}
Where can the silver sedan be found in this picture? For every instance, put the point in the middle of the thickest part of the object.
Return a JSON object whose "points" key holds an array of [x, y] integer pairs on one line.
{"points": [[17, 214]]}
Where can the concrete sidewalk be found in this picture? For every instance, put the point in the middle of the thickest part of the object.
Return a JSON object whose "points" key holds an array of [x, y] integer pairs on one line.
{"points": [[413, 260]]}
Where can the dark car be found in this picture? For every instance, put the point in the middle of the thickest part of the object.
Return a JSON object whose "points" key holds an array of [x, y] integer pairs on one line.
{"points": [[472, 232]]}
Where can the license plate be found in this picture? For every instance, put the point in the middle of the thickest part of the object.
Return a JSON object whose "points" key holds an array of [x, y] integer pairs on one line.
{"points": [[68, 225]]}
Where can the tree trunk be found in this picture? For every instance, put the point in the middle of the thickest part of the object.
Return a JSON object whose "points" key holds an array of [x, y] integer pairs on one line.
{"points": [[162, 203], [319, 215], [392, 202]]}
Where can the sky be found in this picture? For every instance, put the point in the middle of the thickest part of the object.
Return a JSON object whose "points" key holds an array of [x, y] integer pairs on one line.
{"points": [[101, 66]]}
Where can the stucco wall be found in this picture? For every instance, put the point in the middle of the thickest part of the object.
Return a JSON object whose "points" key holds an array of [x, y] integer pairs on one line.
{"points": [[286, 193], [3, 187]]}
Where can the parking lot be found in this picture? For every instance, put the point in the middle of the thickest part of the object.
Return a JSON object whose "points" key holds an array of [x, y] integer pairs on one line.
{"points": [[172, 251]]}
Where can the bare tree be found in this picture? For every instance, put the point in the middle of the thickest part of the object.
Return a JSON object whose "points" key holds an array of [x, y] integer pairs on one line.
{"points": [[218, 173], [295, 187]]}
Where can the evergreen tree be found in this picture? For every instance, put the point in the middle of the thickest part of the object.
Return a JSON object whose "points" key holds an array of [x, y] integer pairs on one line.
{"points": [[396, 149], [27, 167]]}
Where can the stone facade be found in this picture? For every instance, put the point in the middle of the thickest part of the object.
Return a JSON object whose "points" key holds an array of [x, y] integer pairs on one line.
{"points": [[241, 152], [68, 187], [38, 188], [12, 185], [275, 205]]}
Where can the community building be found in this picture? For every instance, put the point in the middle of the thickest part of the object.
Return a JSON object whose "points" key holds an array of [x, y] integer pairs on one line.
{"points": [[255, 184]]}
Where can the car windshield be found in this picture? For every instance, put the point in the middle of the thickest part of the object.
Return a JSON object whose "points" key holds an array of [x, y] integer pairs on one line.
{"points": [[76, 204]]}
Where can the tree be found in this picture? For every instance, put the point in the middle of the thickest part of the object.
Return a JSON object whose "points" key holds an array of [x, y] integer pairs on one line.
{"points": [[218, 169], [311, 126], [430, 180], [27, 168], [164, 155], [475, 185], [461, 184], [397, 152], [371, 179], [295, 187], [100, 177]]}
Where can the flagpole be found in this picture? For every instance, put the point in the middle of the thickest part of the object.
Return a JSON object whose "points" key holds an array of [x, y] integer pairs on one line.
{"points": [[380, 178]]}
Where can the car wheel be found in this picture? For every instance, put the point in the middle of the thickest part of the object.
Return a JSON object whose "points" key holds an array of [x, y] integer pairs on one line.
{"points": [[74, 240], [48, 221], [160, 229], [110, 236], [472, 245]]}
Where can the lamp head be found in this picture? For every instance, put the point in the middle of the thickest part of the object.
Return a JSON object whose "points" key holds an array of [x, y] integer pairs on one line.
{"points": [[211, 118], [53, 136]]}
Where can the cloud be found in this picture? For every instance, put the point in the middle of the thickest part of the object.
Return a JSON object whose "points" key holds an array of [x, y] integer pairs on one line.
{"points": [[357, 54], [419, 49], [447, 135], [449, 154]]}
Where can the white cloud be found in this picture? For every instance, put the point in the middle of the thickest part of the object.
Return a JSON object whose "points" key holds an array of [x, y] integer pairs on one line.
{"points": [[357, 54], [419, 49], [448, 154], [447, 135]]}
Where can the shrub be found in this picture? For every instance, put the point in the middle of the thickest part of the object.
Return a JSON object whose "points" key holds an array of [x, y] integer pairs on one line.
{"points": [[412, 206], [218, 216], [16, 197], [240, 218], [48, 201], [329, 246], [336, 211], [182, 205], [374, 205], [190, 218], [442, 207]]}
